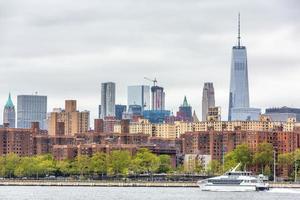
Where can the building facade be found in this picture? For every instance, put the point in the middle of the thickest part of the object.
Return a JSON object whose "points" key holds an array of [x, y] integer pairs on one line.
{"points": [[185, 112], [166, 130], [31, 108], [108, 95], [139, 95], [156, 116], [217, 144], [239, 105], [120, 109], [208, 99], [214, 114], [9, 113], [283, 113], [158, 98], [248, 114], [68, 121]]}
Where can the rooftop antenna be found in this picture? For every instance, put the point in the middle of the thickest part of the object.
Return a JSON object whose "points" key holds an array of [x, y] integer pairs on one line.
{"points": [[239, 30]]}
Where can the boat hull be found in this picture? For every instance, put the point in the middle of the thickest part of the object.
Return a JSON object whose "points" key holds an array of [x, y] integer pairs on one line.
{"points": [[228, 188]]}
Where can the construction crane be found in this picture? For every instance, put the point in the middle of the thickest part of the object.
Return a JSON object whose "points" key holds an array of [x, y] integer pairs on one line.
{"points": [[154, 81]]}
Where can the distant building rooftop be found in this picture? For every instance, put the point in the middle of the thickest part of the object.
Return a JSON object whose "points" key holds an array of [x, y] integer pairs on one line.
{"points": [[282, 113]]}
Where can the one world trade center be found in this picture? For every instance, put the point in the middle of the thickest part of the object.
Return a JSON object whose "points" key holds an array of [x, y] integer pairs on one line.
{"points": [[239, 108]]}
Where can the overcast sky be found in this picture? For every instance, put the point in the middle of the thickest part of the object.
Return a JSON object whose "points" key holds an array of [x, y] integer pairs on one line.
{"points": [[64, 49]]}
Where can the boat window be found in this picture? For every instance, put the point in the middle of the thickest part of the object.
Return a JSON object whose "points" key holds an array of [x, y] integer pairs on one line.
{"points": [[225, 181]]}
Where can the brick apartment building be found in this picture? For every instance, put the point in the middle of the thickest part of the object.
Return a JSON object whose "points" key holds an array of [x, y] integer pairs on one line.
{"points": [[33, 141]]}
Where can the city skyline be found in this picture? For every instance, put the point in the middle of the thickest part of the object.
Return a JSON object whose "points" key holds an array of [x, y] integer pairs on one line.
{"points": [[194, 50]]}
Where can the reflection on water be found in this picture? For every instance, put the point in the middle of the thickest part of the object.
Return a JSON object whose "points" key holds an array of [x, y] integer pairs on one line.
{"points": [[284, 190], [102, 193]]}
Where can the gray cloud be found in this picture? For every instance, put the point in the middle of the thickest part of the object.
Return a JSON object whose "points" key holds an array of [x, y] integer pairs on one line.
{"points": [[65, 48]]}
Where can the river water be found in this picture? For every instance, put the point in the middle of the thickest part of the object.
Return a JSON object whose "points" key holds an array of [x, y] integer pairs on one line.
{"points": [[133, 193]]}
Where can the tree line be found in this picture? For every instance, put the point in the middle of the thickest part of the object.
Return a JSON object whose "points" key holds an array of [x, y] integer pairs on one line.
{"points": [[262, 158], [117, 163], [122, 163]]}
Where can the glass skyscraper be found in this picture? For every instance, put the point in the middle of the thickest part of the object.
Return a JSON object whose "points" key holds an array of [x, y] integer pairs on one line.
{"points": [[31, 108], [120, 109], [239, 108], [139, 95], [108, 96]]}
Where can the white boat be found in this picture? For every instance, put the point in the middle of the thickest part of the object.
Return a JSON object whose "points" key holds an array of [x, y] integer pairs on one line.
{"points": [[234, 181]]}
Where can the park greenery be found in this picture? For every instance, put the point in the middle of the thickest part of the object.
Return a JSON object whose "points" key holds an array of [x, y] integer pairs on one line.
{"points": [[262, 159], [122, 163], [118, 163]]}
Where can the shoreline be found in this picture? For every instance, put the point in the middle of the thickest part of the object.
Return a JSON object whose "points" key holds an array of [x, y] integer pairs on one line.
{"points": [[96, 184], [118, 184]]}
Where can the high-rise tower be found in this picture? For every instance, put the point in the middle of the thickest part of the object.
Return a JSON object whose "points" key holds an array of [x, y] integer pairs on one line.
{"points": [[9, 113], [158, 98], [239, 106], [239, 89], [208, 99], [108, 95], [31, 108], [139, 95]]}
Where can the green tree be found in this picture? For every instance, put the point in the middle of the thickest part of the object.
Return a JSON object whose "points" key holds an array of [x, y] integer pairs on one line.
{"points": [[11, 162], [25, 167], [242, 154], [180, 169], [83, 164], [164, 164], [64, 167], [2, 166], [145, 161], [199, 168], [230, 161], [264, 155], [135, 166], [296, 162], [267, 170], [119, 162], [214, 167], [45, 165], [99, 163], [285, 159]]}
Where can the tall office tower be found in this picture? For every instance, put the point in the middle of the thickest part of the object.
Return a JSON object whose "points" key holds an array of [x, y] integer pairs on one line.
{"points": [[139, 95], [120, 109], [185, 112], [108, 95], [158, 98], [239, 89], [239, 108], [208, 99], [31, 108], [68, 121], [9, 113]]}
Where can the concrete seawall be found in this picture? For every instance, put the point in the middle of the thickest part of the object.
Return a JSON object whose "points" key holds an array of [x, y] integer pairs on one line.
{"points": [[117, 184], [96, 184]]}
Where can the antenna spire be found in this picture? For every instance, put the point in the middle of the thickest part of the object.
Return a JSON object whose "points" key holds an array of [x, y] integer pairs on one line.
{"points": [[239, 30]]}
